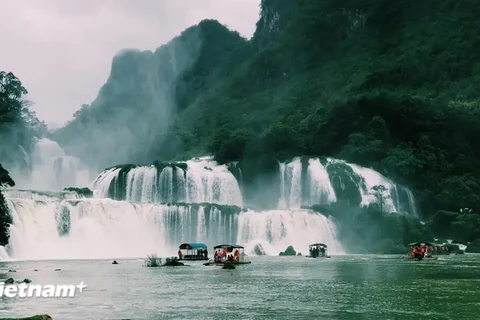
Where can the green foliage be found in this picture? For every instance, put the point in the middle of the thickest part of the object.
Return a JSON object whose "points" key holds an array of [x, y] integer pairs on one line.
{"points": [[5, 217], [18, 124], [388, 85], [464, 227], [380, 194]]}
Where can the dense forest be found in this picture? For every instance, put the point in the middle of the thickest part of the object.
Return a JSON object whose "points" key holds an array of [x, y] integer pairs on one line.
{"points": [[388, 85], [19, 126]]}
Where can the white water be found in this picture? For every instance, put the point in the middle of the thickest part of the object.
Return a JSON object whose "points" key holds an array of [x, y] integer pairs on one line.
{"points": [[318, 188], [52, 169], [204, 182], [48, 227], [275, 230]]}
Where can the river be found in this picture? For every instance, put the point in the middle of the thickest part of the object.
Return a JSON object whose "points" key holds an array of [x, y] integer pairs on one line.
{"points": [[343, 287]]}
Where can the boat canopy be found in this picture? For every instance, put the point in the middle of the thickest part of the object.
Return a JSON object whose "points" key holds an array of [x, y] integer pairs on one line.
{"points": [[234, 246], [193, 245], [415, 244], [319, 244]]}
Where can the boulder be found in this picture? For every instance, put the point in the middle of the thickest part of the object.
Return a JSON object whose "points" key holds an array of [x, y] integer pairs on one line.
{"points": [[258, 250]]}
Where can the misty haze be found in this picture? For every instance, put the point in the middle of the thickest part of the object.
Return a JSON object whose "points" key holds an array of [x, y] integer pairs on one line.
{"points": [[241, 159]]}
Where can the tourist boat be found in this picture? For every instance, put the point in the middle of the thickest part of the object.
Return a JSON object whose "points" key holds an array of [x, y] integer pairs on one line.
{"points": [[318, 250], [430, 248], [230, 253], [192, 251]]}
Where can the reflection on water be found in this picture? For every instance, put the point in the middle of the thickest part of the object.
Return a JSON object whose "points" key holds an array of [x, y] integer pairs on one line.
{"points": [[345, 287]]}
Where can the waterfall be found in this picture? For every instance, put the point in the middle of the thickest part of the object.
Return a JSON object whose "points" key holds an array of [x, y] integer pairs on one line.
{"points": [[52, 169], [62, 226], [199, 180], [275, 230], [306, 183]]}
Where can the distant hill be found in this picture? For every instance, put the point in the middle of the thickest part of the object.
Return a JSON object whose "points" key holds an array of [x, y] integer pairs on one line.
{"points": [[388, 84]]}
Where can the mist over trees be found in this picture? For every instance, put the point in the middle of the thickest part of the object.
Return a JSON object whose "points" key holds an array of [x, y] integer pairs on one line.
{"points": [[388, 85], [19, 125]]}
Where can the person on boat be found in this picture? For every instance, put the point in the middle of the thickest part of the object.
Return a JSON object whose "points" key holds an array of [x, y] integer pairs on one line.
{"points": [[322, 251], [199, 253], [237, 255], [422, 251], [179, 254], [416, 252], [205, 253]]}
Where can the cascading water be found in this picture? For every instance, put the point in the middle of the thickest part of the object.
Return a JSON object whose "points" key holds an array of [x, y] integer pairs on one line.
{"points": [[46, 226], [275, 230], [52, 169], [164, 205], [196, 181], [337, 179]]}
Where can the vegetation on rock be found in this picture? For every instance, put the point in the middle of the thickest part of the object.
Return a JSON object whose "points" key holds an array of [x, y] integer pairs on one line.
{"points": [[350, 79], [85, 192], [5, 217], [288, 252]]}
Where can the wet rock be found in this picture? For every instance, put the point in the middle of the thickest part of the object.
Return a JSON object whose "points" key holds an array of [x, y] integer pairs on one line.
{"points": [[172, 262], [299, 254], [12, 270], [26, 280], [114, 262], [58, 270], [258, 250], [288, 252], [9, 281]]}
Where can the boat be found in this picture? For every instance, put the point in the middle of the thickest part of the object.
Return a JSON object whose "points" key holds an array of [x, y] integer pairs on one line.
{"points": [[227, 254], [192, 251], [318, 250], [429, 249]]}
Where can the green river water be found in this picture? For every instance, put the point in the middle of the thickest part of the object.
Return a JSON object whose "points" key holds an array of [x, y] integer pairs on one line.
{"points": [[343, 287]]}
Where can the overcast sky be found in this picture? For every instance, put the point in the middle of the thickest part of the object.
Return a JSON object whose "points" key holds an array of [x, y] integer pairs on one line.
{"points": [[62, 49]]}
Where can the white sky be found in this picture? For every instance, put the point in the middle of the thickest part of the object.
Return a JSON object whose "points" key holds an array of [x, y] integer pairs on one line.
{"points": [[62, 50]]}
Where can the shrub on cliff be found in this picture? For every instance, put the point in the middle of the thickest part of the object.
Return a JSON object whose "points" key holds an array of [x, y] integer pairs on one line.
{"points": [[5, 217]]}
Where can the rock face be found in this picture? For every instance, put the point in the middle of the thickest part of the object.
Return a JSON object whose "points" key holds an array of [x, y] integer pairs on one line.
{"points": [[5, 218], [259, 250], [288, 252]]}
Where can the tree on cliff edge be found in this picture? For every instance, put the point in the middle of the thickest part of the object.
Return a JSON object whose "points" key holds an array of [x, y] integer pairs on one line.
{"points": [[380, 194], [5, 218], [18, 124]]}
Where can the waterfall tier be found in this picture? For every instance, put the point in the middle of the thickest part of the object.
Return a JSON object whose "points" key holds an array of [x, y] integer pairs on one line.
{"points": [[307, 182], [302, 182], [196, 181], [51, 169], [50, 227]]}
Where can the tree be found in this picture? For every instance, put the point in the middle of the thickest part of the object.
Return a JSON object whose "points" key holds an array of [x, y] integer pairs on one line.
{"points": [[380, 193], [18, 124]]}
